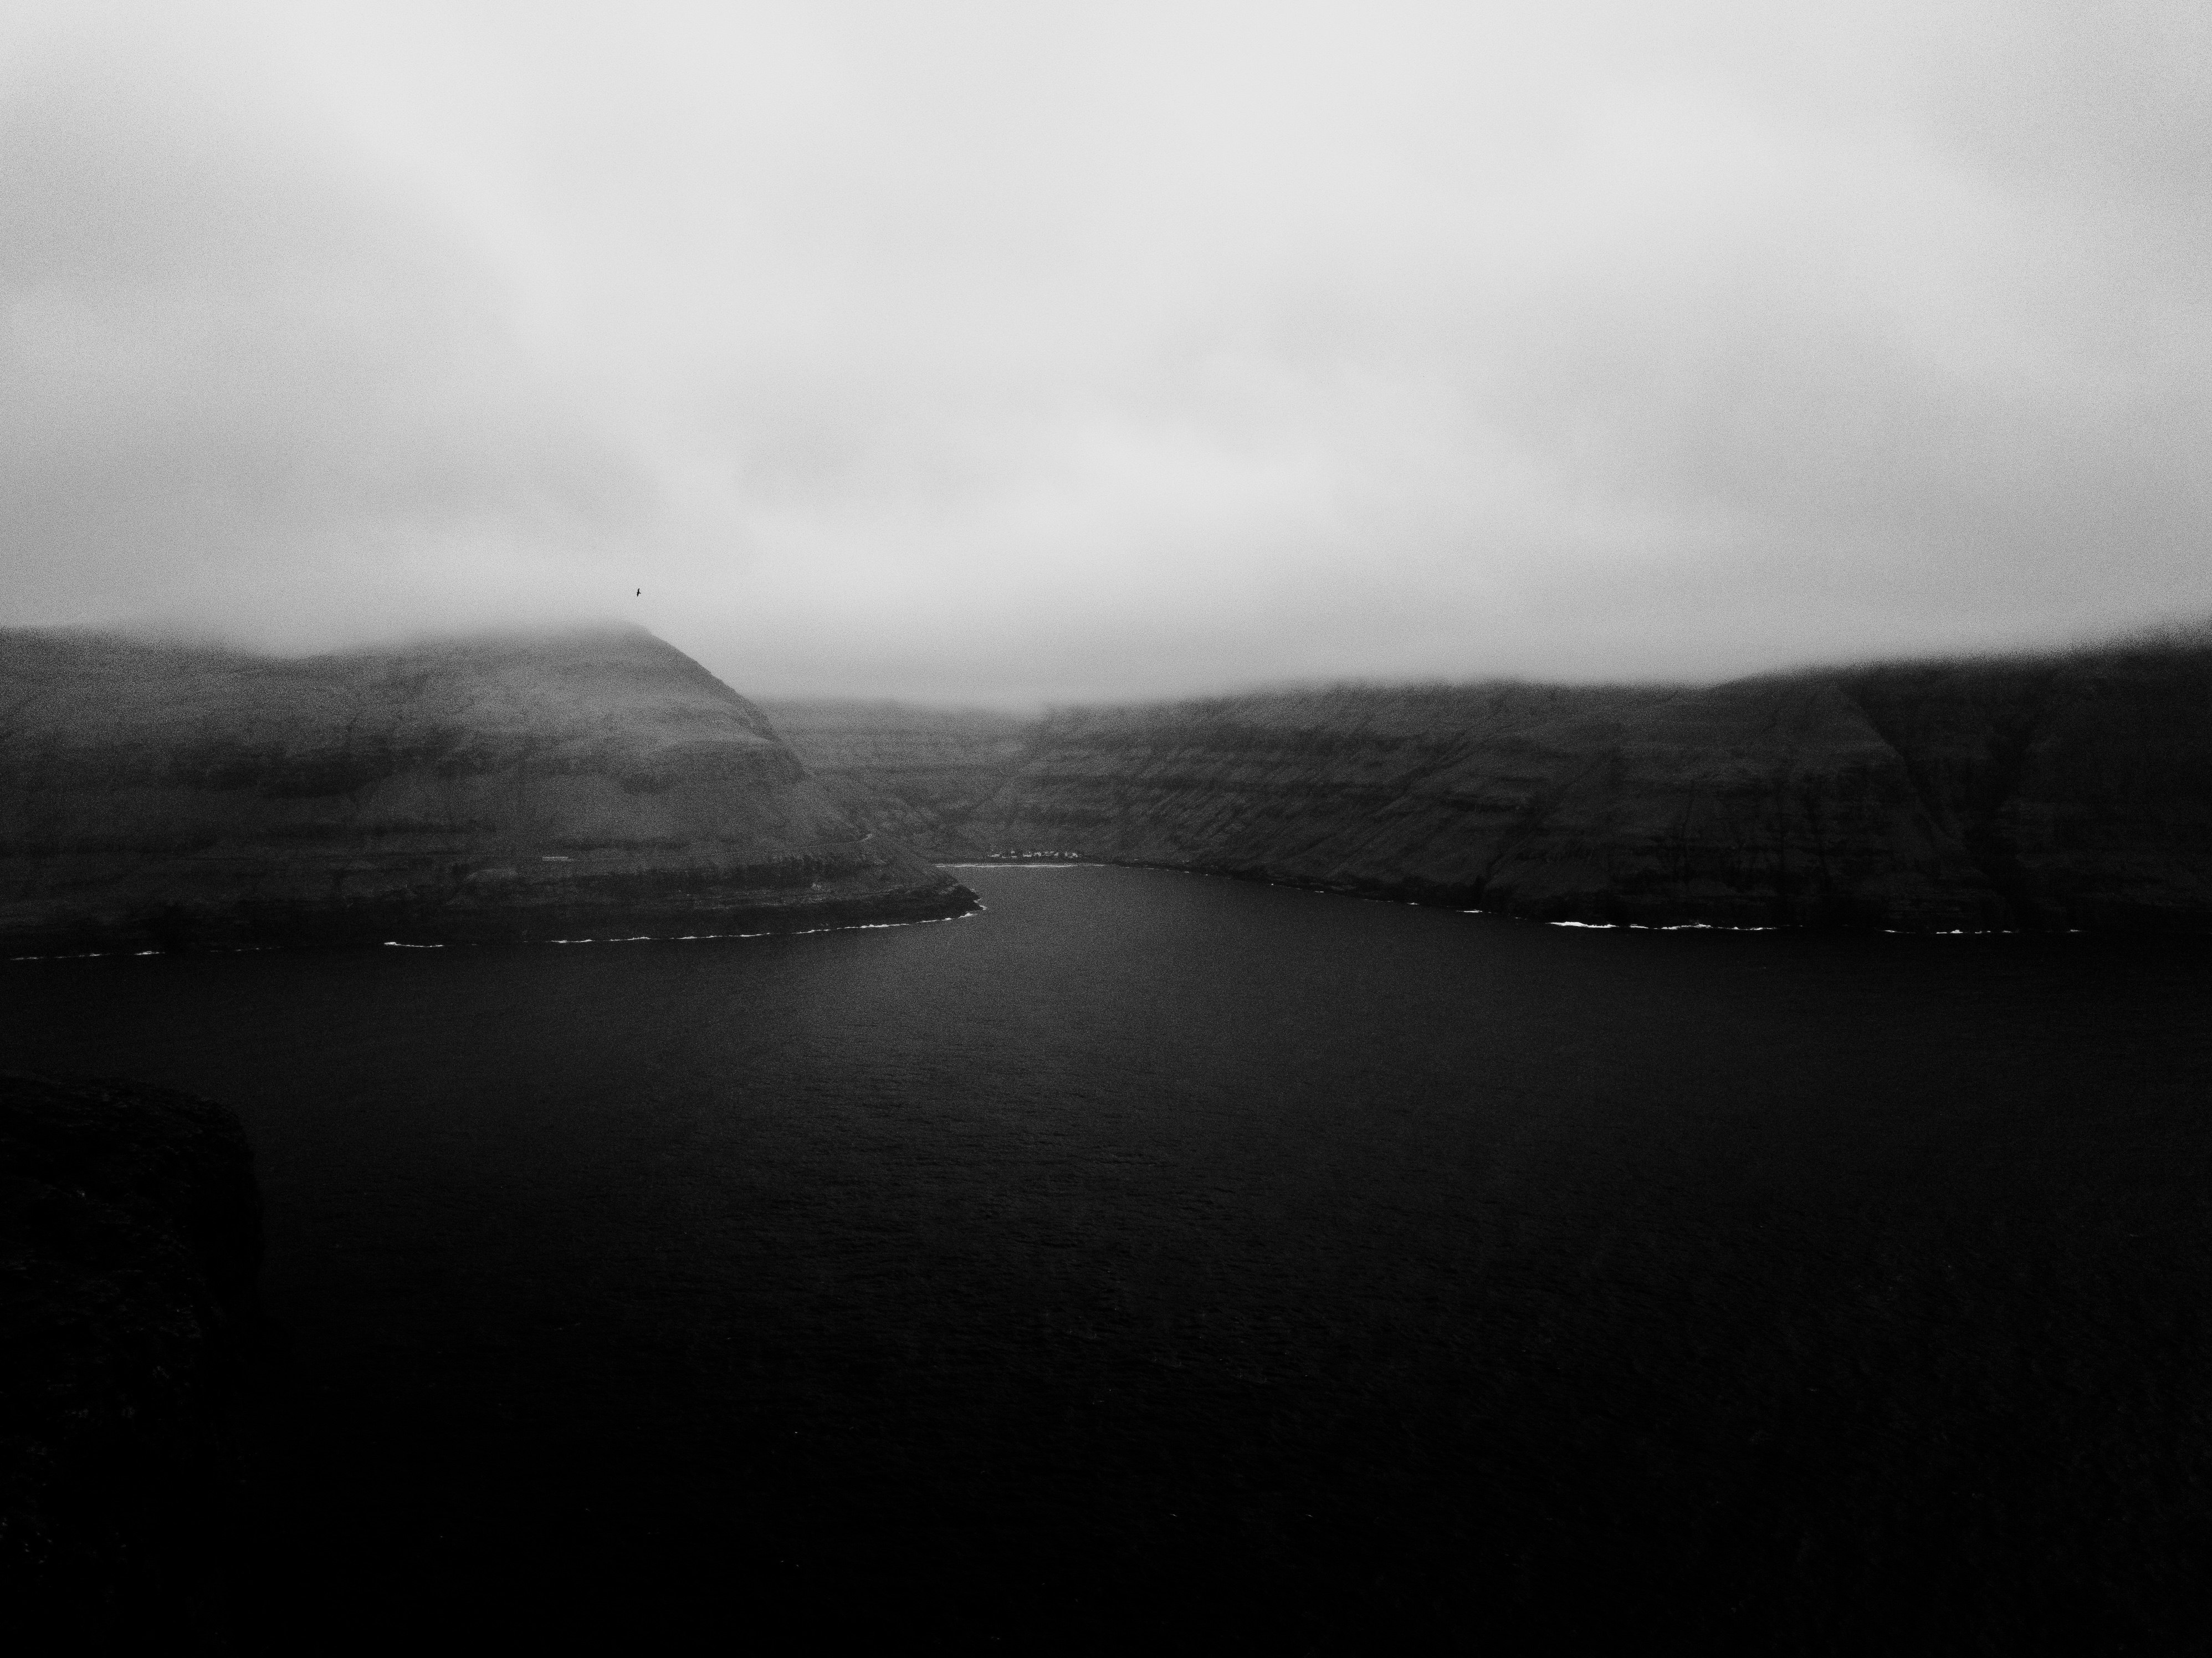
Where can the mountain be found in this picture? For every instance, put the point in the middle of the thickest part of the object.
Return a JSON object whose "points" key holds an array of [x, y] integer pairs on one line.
{"points": [[582, 785], [925, 775], [2064, 791]]}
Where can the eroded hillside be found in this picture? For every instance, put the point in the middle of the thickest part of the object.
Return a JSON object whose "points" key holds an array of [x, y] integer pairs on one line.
{"points": [[923, 775], [2072, 791], [586, 784]]}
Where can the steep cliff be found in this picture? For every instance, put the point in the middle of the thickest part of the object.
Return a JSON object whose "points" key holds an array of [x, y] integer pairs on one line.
{"points": [[920, 774], [583, 784], [129, 1239], [2067, 792]]}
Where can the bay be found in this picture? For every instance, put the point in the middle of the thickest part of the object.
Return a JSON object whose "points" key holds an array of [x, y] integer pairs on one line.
{"points": [[1152, 1258]]}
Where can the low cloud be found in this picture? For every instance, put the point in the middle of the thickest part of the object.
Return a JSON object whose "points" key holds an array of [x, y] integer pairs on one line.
{"points": [[1011, 353]]}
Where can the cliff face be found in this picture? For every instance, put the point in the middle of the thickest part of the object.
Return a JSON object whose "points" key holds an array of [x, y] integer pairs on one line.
{"points": [[2081, 789], [2068, 792], [920, 774], [129, 1239], [586, 785]]}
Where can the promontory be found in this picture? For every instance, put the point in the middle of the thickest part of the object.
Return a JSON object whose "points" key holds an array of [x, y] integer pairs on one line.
{"points": [[582, 785]]}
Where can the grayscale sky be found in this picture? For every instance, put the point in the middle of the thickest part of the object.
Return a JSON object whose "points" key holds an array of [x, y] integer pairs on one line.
{"points": [[1012, 352]]}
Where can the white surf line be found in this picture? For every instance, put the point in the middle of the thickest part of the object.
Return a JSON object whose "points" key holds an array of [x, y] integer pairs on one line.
{"points": [[1320, 891], [1638, 926], [629, 939], [1051, 863], [771, 933], [1722, 926]]}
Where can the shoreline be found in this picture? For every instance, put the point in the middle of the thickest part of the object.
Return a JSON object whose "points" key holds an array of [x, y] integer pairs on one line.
{"points": [[1676, 918], [413, 928]]}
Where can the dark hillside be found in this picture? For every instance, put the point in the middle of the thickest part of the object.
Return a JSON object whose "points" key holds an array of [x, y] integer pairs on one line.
{"points": [[922, 775], [2068, 792], [589, 784]]}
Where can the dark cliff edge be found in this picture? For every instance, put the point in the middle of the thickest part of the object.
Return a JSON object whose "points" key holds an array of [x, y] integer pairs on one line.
{"points": [[2069, 792], [131, 1231], [585, 785]]}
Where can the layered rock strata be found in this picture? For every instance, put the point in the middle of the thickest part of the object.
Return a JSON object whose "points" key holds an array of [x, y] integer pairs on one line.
{"points": [[130, 1242], [925, 776], [2069, 792], [592, 785]]}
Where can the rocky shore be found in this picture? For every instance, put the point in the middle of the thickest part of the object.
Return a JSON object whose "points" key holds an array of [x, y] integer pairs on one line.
{"points": [[131, 1225], [2058, 793], [583, 784]]}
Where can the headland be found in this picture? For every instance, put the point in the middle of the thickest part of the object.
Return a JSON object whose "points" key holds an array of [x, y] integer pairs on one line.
{"points": [[589, 784]]}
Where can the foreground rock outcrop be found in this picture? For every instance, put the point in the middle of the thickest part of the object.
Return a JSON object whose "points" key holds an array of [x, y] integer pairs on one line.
{"points": [[2065, 792], [130, 1240], [595, 784]]}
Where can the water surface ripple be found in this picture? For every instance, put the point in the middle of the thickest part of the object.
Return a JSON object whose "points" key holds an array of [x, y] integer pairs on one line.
{"points": [[1155, 1257]]}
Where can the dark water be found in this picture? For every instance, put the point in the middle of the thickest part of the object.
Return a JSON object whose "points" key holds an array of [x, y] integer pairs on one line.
{"points": [[1155, 1261]]}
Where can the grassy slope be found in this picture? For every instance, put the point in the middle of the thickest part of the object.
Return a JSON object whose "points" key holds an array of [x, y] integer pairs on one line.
{"points": [[519, 787]]}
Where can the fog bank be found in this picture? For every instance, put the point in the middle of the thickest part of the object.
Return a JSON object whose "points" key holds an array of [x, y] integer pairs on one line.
{"points": [[999, 354]]}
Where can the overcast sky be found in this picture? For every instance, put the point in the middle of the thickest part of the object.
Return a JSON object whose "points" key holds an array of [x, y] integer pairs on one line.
{"points": [[1039, 351]]}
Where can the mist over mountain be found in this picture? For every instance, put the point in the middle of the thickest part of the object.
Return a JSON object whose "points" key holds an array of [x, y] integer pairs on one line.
{"points": [[2073, 791], [574, 784], [1015, 356], [601, 783]]}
